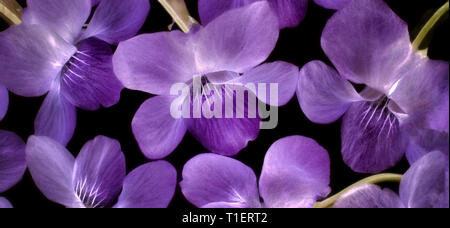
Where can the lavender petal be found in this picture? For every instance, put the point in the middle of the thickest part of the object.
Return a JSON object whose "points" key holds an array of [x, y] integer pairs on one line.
{"points": [[12, 159]]}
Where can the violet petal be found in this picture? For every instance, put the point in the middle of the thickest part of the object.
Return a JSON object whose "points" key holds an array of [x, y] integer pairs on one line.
{"points": [[210, 9], [154, 62], [427, 141], [422, 92], [333, 4], [285, 75], [368, 43], [149, 186], [95, 2], [117, 20], [289, 12], [31, 59], [223, 135], [56, 118], [296, 173], [425, 184], [4, 101], [369, 196], [64, 17], [88, 79], [372, 138], [156, 131], [237, 40], [211, 178], [99, 172], [12, 159]]}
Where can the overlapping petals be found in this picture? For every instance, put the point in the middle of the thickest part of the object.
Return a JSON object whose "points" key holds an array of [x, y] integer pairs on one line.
{"points": [[56, 118], [12, 159], [422, 92], [115, 21], [296, 173], [369, 196], [96, 177], [229, 181], [289, 12], [154, 62], [51, 52], [64, 17], [406, 94], [424, 185], [162, 59], [222, 134], [51, 167], [372, 138], [367, 43], [100, 169], [31, 59], [237, 40], [323, 94], [283, 75], [150, 185], [427, 141]]}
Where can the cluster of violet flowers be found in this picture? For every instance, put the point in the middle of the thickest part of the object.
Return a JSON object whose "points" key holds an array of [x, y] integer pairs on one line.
{"points": [[64, 53]]}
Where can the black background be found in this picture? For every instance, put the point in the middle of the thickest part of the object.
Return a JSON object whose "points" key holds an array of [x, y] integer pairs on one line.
{"points": [[298, 46]]}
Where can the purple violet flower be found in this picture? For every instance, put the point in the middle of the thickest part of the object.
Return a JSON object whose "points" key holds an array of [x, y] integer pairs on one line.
{"points": [[424, 185], [51, 52], [296, 173], [96, 177], [12, 162], [406, 93], [227, 51], [425, 142]]}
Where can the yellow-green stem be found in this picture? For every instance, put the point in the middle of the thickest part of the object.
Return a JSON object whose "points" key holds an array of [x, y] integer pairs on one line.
{"points": [[385, 177], [11, 12], [417, 43], [179, 13]]}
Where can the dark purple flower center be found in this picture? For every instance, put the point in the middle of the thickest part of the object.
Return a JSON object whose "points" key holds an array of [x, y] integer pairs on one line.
{"points": [[87, 79], [89, 194], [74, 68], [379, 119]]}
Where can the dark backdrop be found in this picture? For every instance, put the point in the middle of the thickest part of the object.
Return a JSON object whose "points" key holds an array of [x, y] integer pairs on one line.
{"points": [[298, 46]]}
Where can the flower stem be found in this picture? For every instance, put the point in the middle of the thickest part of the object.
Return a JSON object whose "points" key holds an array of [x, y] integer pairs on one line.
{"points": [[417, 43], [385, 177], [11, 12], [179, 12]]}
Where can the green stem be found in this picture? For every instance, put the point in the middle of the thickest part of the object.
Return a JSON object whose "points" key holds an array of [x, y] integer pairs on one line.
{"points": [[179, 13], [429, 26], [385, 177], [11, 11]]}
